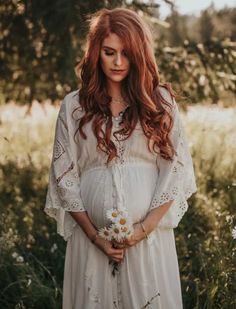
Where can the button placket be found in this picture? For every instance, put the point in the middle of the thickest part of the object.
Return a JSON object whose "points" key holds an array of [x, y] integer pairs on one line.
{"points": [[120, 148], [117, 180]]}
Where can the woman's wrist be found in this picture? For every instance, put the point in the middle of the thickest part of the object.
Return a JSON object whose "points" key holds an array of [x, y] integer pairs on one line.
{"points": [[145, 232], [94, 237], [139, 235], [85, 223]]}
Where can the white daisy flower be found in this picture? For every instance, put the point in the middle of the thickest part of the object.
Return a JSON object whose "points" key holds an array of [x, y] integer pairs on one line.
{"points": [[20, 259], [122, 221], [53, 248], [112, 214], [123, 211], [15, 255], [105, 233], [127, 230], [116, 233], [234, 233]]}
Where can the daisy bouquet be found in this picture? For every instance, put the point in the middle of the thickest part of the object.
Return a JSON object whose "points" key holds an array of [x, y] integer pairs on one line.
{"points": [[120, 229]]}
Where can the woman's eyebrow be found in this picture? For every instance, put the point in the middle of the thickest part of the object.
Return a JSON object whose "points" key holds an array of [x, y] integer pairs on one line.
{"points": [[109, 47]]}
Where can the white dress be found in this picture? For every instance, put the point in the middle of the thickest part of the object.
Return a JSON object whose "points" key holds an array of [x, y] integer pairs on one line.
{"points": [[138, 180]]}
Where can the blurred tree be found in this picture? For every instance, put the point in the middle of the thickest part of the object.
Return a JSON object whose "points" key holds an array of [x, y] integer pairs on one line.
{"points": [[176, 30], [198, 71], [233, 22], [206, 26], [40, 42]]}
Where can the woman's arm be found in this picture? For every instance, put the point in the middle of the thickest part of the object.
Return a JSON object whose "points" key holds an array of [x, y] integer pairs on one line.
{"points": [[84, 222], [150, 223], [82, 218], [154, 216]]}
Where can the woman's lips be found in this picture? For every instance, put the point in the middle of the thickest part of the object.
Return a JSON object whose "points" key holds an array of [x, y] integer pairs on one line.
{"points": [[118, 71]]}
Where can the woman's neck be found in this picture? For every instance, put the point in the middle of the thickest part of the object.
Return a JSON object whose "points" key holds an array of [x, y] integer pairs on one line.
{"points": [[114, 90]]}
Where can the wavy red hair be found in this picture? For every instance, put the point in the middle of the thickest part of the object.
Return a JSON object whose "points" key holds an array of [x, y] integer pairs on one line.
{"points": [[140, 86]]}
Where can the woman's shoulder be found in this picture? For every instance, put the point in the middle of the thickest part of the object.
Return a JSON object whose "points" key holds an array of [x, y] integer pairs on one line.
{"points": [[71, 99], [71, 102], [70, 109], [166, 94]]}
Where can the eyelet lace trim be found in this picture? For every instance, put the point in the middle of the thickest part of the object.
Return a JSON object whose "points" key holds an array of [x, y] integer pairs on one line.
{"points": [[62, 197], [179, 206]]}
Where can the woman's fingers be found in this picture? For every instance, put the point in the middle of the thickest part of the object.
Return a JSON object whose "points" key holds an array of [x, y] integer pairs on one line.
{"points": [[117, 254]]}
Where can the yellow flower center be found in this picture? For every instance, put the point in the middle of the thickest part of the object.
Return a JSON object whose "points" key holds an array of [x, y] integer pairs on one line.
{"points": [[116, 230], [114, 214], [124, 229], [122, 221]]}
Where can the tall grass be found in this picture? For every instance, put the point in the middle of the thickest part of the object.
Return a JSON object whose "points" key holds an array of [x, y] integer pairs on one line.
{"points": [[32, 254]]}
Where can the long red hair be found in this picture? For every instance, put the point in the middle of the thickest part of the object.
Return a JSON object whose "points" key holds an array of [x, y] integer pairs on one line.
{"points": [[140, 86]]}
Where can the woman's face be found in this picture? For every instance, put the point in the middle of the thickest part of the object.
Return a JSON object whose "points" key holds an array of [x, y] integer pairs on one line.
{"points": [[113, 57]]}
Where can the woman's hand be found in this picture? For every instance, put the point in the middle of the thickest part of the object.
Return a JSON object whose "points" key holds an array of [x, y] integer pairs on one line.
{"points": [[115, 254], [137, 236]]}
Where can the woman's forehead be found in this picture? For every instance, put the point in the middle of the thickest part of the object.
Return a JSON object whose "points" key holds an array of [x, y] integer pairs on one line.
{"points": [[113, 41]]}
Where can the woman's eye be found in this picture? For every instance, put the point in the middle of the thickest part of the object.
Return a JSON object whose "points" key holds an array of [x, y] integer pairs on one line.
{"points": [[109, 54]]}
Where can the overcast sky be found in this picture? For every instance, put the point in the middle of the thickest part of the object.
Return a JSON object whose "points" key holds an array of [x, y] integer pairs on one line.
{"points": [[193, 6]]}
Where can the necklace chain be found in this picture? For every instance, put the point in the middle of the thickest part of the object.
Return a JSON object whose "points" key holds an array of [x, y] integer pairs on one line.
{"points": [[118, 101]]}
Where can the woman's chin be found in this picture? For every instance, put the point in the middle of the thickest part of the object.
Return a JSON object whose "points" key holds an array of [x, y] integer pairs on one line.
{"points": [[116, 79]]}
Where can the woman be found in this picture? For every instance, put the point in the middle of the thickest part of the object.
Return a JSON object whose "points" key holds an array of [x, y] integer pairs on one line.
{"points": [[119, 142]]}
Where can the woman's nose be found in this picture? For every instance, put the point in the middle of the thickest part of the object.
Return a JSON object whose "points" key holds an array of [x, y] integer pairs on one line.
{"points": [[118, 60]]}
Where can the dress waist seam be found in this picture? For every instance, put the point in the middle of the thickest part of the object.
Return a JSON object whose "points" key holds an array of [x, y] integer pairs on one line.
{"points": [[124, 164]]}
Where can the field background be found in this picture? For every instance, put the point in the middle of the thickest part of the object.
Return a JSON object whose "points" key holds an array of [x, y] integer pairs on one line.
{"points": [[38, 71]]}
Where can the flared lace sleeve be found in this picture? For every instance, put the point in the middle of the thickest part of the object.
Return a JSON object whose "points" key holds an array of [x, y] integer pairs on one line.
{"points": [[63, 193], [176, 179]]}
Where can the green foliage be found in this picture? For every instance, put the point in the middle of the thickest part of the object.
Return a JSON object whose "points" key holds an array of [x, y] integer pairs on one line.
{"points": [[206, 249], [40, 43], [201, 72], [32, 254], [31, 260], [29, 274], [206, 26]]}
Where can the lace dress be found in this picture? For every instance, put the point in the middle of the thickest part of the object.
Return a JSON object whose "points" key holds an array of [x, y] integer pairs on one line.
{"points": [[138, 180]]}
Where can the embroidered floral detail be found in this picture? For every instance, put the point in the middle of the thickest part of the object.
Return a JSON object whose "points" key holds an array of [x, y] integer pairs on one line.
{"points": [[75, 174], [67, 171], [165, 197], [69, 183], [58, 150], [120, 148], [175, 169], [53, 210], [74, 205], [61, 191], [170, 195], [149, 302], [183, 207], [94, 296]]}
